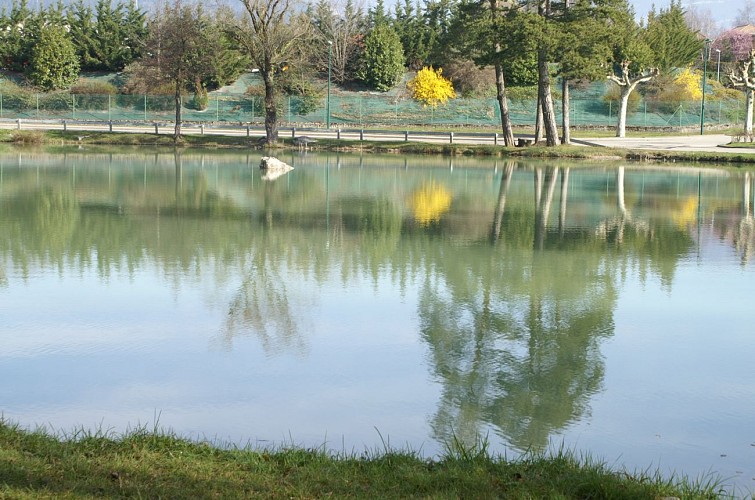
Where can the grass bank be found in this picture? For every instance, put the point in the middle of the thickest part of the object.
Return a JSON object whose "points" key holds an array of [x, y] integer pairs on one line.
{"points": [[59, 138], [149, 464]]}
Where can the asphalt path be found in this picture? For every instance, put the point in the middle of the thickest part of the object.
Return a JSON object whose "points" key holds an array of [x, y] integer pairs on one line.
{"points": [[706, 143]]}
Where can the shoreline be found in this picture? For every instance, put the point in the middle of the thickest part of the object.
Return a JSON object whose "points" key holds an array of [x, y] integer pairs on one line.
{"points": [[158, 464], [723, 155]]}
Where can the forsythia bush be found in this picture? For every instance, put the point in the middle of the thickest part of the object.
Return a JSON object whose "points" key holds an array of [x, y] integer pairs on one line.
{"points": [[430, 88], [689, 85]]}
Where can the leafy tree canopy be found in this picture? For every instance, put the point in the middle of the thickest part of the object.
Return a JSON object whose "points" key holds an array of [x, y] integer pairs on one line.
{"points": [[54, 64]]}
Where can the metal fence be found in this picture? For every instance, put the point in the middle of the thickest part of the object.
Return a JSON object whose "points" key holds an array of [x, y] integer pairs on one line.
{"points": [[359, 111]]}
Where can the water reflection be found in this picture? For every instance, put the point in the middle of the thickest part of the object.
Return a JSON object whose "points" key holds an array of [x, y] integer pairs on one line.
{"points": [[517, 270]]}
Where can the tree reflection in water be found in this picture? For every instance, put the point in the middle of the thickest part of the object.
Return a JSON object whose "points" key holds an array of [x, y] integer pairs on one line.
{"points": [[738, 224], [515, 345]]}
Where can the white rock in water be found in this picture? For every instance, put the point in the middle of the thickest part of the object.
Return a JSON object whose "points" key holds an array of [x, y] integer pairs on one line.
{"points": [[273, 168], [272, 163]]}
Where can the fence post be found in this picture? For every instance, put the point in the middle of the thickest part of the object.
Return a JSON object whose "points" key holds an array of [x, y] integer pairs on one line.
{"points": [[247, 131], [110, 125], [293, 130], [495, 139], [145, 107], [37, 106], [338, 133], [201, 129], [361, 134], [252, 110], [1, 105], [65, 128], [289, 109], [156, 132], [73, 105], [18, 123], [109, 118], [406, 136], [451, 137]]}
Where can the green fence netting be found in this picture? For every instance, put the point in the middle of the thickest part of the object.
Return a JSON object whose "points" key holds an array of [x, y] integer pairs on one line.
{"points": [[360, 111]]}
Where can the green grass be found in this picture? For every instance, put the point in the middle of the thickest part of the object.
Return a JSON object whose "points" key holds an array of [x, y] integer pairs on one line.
{"points": [[150, 464]]}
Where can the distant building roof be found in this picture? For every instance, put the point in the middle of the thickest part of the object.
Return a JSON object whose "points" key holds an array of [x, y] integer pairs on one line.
{"points": [[747, 29]]}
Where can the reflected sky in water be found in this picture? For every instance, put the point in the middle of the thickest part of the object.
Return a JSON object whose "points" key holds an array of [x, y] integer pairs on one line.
{"points": [[356, 299]]}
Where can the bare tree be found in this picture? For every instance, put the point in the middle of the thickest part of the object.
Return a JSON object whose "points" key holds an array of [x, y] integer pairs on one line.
{"points": [[743, 77], [273, 34], [702, 21], [179, 52], [746, 13], [343, 25], [627, 82]]}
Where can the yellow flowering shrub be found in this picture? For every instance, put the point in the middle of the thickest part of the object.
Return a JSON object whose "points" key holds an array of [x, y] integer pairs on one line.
{"points": [[430, 87], [689, 84]]}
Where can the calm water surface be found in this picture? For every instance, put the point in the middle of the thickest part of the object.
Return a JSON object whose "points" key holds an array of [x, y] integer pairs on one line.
{"points": [[359, 299]]}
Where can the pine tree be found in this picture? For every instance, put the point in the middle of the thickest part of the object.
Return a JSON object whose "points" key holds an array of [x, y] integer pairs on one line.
{"points": [[54, 63], [382, 61]]}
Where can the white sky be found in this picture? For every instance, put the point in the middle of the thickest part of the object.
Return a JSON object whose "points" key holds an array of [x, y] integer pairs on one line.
{"points": [[723, 11]]}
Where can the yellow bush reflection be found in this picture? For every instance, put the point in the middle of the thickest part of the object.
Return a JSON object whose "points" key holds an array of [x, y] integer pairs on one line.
{"points": [[430, 202], [686, 213]]}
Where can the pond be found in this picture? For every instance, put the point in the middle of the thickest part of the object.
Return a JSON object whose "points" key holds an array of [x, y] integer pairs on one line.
{"points": [[367, 300]]}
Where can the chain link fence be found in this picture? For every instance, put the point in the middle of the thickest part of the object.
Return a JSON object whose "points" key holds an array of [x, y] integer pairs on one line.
{"points": [[362, 110]]}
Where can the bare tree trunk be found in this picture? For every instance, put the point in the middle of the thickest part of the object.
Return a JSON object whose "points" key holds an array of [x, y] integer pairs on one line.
{"points": [[749, 99], [177, 129], [544, 84], [546, 100], [539, 121], [271, 112], [621, 128], [503, 106], [565, 118]]}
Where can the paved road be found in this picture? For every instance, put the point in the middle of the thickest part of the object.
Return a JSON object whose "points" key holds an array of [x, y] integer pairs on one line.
{"points": [[709, 143]]}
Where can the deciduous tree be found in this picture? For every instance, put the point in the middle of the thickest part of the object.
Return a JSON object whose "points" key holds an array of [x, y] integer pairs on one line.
{"points": [[179, 51], [272, 33]]}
